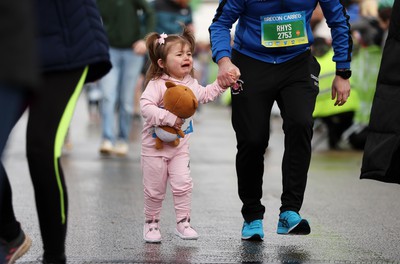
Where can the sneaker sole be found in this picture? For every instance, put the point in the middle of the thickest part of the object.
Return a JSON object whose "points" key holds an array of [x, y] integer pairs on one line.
{"points": [[106, 152], [185, 237], [152, 241], [120, 154], [255, 237], [302, 228], [21, 250], [157, 241]]}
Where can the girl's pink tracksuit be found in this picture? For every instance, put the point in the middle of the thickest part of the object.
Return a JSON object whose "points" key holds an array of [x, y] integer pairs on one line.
{"points": [[170, 163]]}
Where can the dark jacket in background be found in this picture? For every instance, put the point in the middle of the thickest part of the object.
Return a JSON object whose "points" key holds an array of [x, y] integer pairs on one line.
{"points": [[18, 58], [67, 40], [381, 160], [122, 21]]}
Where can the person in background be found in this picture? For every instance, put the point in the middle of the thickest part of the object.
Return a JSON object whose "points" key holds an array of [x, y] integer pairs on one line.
{"points": [[171, 58], [353, 9], [93, 97], [19, 73], [19, 77], [171, 15], [384, 14], [72, 49], [127, 49], [367, 35], [381, 155], [368, 8], [330, 121], [271, 56], [336, 120]]}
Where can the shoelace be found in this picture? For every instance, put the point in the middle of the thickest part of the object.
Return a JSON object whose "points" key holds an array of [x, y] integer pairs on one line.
{"points": [[289, 214], [254, 224], [285, 220]]}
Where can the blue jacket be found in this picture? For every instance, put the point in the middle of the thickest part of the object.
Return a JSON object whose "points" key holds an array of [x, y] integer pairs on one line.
{"points": [[248, 36], [68, 40]]}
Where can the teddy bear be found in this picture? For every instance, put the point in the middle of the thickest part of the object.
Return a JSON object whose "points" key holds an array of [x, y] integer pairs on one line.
{"points": [[181, 101]]}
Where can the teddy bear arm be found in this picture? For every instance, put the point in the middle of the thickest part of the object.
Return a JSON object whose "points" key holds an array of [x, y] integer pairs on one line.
{"points": [[159, 143], [180, 133]]}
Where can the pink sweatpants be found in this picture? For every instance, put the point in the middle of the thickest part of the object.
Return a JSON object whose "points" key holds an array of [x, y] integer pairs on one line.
{"points": [[157, 171]]}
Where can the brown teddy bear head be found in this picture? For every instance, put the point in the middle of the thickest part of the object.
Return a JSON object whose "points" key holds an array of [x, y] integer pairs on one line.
{"points": [[180, 100]]}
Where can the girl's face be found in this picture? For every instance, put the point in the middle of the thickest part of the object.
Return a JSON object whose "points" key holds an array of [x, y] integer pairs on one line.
{"points": [[179, 61]]}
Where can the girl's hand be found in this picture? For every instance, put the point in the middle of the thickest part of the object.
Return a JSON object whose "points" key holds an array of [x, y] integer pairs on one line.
{"points": [[178, 123]]}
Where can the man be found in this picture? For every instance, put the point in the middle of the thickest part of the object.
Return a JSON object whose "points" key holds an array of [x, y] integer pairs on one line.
{"points": [[271, 55]]}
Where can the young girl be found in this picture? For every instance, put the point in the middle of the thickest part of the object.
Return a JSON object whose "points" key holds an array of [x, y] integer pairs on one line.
{"points": [[171, 60]]}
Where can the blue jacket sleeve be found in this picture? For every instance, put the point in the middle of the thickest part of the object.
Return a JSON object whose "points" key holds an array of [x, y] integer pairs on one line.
{"points": [[338, 21], [220, 29]]}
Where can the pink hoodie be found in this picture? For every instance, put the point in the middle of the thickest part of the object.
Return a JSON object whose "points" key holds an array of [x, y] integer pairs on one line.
{"points": [[151, 105]]}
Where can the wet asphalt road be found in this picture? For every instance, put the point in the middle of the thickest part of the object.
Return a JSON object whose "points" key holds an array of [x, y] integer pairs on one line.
{"points": [[352, 220]]}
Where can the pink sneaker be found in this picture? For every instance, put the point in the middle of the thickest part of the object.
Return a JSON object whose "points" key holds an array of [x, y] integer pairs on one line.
{"points": [[184, 230], [151, 231]]}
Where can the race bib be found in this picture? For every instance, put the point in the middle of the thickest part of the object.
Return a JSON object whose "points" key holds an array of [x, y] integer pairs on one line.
{"points": [[283, 30]]}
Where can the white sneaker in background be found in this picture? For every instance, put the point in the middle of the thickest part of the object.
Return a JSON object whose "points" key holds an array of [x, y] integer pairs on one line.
{"points": [[121, 149], [106, 147]]}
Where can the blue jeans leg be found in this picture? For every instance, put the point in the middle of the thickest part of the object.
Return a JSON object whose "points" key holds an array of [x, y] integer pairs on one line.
{"points": [[118, 90], [12, 106], [130, 75]]}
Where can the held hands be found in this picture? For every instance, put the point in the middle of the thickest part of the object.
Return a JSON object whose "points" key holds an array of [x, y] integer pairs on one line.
{"points": [[340, 90], [228, 73]]}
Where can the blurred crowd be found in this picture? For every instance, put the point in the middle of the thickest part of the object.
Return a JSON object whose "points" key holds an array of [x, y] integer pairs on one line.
{"points": [[161, 16]]}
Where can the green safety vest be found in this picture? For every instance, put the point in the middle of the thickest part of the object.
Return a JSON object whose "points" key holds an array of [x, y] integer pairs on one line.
{"points": [[324, 105]]}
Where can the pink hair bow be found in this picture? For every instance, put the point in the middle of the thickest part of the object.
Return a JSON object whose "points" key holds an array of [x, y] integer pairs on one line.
{"points": [[161, 39]]}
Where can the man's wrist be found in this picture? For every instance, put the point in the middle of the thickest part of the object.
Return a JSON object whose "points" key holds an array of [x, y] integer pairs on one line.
{"points": [[223, 60], [343, 73]]}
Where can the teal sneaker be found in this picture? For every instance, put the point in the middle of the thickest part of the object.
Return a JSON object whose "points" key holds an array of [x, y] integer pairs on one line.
{"points": [[290, 223], [253, 230]]}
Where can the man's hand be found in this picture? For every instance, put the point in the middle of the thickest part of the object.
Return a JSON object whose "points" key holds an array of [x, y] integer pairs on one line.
{"points": [[340, 90]]}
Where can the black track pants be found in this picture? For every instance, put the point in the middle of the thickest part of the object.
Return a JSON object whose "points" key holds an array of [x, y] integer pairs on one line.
{"points": [[294, 86], [50, 113]]}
